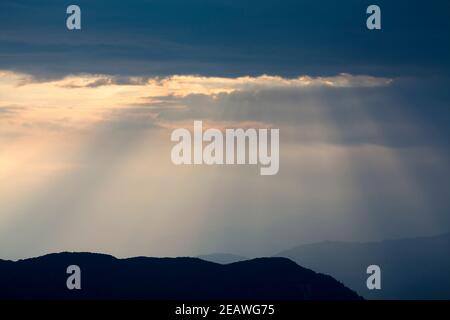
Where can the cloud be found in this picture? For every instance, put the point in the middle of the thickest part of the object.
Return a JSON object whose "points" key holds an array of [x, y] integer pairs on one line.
{"points": [[6, 111], [102, 80], [216, 84], [85, 100], [340, 109], [220, 38]]}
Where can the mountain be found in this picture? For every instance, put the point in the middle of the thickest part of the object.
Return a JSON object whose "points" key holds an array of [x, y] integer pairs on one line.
{"points": [[416, 268], [222, 258], [106, 277]]}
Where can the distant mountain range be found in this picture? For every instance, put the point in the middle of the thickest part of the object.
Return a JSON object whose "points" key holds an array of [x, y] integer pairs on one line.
{"points": [[106, 277], [416, 268]]}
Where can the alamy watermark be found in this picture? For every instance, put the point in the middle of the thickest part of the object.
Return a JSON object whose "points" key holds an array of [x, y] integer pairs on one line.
{"points": [[374, 20], [236, 146], [73, 21], [374, 280], [74, 280]]}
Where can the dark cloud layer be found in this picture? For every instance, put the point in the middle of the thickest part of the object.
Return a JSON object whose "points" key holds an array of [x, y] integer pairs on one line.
{"points": [[227, 38]]}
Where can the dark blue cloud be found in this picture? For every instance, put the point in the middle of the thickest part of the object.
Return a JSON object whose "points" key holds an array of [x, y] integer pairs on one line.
{"points": [[225, 37], [248, 37]]}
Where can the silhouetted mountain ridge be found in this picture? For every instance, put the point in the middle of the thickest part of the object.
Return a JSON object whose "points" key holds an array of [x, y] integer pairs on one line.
{"points": [[106, 277], [222, 258]]}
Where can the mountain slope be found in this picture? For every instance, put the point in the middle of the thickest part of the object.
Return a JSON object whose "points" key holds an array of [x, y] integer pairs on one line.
{"points": [[416, 268], [105, 277], [222, 258]]}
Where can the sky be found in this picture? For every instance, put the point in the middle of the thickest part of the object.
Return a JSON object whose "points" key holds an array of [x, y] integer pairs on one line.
{"points": [[86, 118]]}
